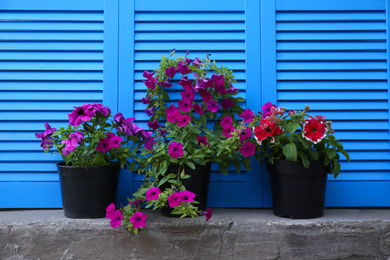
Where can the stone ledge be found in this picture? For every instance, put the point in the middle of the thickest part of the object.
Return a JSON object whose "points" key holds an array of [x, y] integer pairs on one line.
{"points": [[230, 234]]}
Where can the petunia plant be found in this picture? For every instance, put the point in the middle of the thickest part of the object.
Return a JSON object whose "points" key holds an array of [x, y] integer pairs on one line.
{"points": [[196, 114], [297, 136], [93, 139]]}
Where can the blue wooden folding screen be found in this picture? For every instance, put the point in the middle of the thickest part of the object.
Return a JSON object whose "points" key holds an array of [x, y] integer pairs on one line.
{"points": [[332, 55]]}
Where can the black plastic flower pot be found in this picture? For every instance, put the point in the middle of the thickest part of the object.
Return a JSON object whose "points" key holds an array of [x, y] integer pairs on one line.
{"points": [[198, 184], [87, 191], [298, 192]]}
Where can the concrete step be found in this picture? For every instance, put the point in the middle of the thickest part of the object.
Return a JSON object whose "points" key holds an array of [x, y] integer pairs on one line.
{"points": [[229, 234]]}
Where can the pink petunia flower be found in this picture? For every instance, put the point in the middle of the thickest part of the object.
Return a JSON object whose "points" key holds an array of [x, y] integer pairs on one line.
{"points": [[81, 114], [186, 196], [149, 144], [274, 112], [110, 210], [138, 220], [173, 117], [153, 193], [202, 140], [248, 149], [291, 112], [174, 200], [219, 80], [227, 132], [267, 109], [188, 94], [185, 105], [149, 111], [213, 106], [232, 90], [116, 218], [105, 111], [175, 150], [198, 109], [183, 120], [196, 62], [247, 116], [146, 100], [245, 134], [171, 109], [136, 203], [165, 83], [115, 141], [150, 84], [103, 145]]}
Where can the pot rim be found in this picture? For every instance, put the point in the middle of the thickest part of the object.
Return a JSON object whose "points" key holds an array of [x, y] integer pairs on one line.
{"points": [[63, 165]]}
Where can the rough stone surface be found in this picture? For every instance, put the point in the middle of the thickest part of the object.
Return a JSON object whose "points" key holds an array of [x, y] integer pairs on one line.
{"points": [[230, 234]]}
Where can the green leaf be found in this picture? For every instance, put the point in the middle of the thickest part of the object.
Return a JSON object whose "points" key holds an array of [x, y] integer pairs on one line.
{"points": [[305, 143], [331, 153], [345, 154], [131, 166], [247, 163], [290, 151], [223, 169], [191, 165], [240, 99], [305, 161], [336, 166], [292, 126], [237, 165]]}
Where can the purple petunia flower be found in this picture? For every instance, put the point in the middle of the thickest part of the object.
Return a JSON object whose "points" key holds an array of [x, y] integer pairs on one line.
{"points": [[138, 220], [185, 83], [81, 114], [197, 87], [171, 109], [227, 132], [171, 71], [46, 140], [116, 219], [247, 115], [149, 111], [183, 120], [105, 111], [182, 68], [150, 84], [248, 149], [173, 117], [154, 125], [219, 80], [198, 109], [232, 90], [202, 140], [207, 214], [221, 90], [213, 106], [267, 109], [174, 200], [206, 96], [188, 60], [227, 103], [207, 83], [185, 105], [196, 62], [115, 141], [175, 150], [149, 144], [72, 142], [136, 203], [146, 100], [119, 118], [148, 75], [165, 83]]}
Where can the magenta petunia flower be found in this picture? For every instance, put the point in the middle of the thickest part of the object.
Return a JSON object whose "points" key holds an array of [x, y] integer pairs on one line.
{"points": [[149, 111], [197, 87], [149, 144], [103, 145], [227, 103], [188, 61], [148, 75], [248, 149], [247, 116], [138, 220], [267, 109], [213, 106], [232, 90], [219, 80], [81, 114], [182, 68], [188, 94], [206, 96], [136, 203], [245, 134], [207, 214], [146, 100], [227, 132], [207, 83], [165, 83], [173, 117], [150, 84], [115, 141], [116, 219], [72, 142], [105, 111], [146, 135], [185, 83], [175, 150], [171, 71], [186, 196], [221, 90], [110, 135], [202, 140], [183, 120], [46, 140], [110, 210], [185, 105], [154, 125], [174, 200], [226, 122], [153, 193], [196, 62], [171, 109], [198, 109], [119, 118]]}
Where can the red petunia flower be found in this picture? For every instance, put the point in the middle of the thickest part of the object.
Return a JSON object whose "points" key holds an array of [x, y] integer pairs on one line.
{"points": [[266, 129], [314, 130]]}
